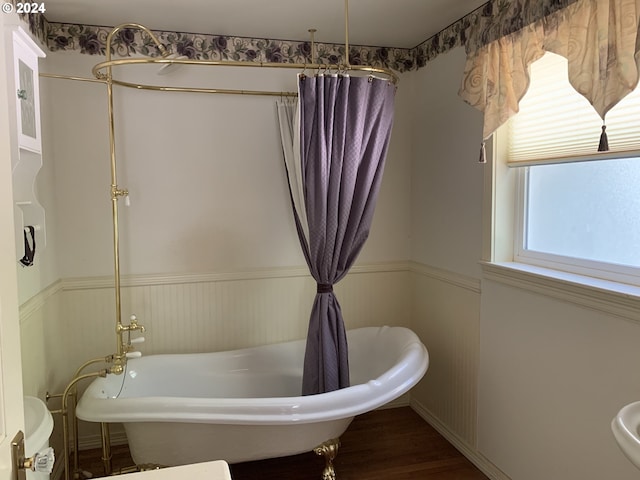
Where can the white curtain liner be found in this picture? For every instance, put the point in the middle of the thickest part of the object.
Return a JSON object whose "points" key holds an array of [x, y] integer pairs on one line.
{"points": [[289, 118]]}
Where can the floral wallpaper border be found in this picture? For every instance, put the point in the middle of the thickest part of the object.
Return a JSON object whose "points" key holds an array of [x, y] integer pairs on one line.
{"points": [[484, 25], [491, 21], [128, 42]]}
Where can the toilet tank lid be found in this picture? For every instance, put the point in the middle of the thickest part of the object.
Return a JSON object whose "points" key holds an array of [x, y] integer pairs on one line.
{"points": [[38, 424]]}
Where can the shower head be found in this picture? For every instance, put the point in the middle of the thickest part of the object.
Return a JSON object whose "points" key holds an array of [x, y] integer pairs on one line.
{"points": [[166, 68]]}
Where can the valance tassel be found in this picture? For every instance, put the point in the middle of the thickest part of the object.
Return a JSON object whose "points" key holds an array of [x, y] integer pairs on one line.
{"points": [[483, 154], [604, 141]]}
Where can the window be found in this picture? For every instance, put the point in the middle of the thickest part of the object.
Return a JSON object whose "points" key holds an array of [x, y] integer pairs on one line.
{"points": [[578, 210]]}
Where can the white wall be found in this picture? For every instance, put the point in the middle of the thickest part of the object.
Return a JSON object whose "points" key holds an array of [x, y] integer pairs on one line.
{"points": [[446, 178], [552, 377], [544, 375], [205, 174], [446, 234]]}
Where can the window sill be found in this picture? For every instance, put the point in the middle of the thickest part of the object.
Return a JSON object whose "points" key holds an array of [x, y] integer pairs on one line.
{"points": [[613, 298]]}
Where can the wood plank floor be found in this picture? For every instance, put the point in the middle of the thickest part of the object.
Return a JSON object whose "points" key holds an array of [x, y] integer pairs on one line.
{"points": [[391, 444]]}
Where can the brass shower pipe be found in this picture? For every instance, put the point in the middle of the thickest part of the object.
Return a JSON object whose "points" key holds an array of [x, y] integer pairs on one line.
{"points": [[65, 419], [120, 357], [72, 430], [73, 392], [346, 32]]}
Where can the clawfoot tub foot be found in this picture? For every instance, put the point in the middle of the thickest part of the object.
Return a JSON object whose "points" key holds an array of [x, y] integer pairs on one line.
{"points": [[329, 450]]}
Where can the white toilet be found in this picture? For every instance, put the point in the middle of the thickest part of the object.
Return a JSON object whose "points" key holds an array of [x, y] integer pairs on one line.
{"points": [[38, 426]]}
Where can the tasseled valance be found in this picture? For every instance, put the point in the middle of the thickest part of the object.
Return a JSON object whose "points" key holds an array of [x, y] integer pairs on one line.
{"points": [[599, 38]]}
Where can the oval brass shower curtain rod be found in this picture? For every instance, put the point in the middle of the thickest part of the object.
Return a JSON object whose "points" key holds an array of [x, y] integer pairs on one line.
{"points": [[101, 76], [103, 70]]}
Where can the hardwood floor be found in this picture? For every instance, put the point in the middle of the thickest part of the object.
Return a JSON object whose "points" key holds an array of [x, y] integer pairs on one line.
{"points": [[392, 444]]}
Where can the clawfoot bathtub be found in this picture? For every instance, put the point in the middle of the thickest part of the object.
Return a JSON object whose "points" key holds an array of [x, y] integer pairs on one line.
{"points": [[245, 404]]}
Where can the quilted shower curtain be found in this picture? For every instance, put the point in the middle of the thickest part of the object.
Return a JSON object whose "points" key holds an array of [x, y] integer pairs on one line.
{"points": [[335, 141]]}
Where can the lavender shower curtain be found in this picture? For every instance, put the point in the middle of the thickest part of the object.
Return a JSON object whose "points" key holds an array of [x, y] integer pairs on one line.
{"points": [[335, 159]]}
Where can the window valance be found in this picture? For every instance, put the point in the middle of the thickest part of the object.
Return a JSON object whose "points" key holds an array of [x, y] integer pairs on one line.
{"points": [[599, 39]]}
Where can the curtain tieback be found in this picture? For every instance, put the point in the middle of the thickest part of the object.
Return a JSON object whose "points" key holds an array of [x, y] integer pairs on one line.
{"points": [[324, 288]]}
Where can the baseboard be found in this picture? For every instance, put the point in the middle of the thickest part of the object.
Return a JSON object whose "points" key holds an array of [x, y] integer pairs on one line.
{"points": [[475, 457], [401, 401]]}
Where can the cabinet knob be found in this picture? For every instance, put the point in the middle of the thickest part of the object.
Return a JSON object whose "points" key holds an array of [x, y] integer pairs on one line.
{"points": [[22, 94]]}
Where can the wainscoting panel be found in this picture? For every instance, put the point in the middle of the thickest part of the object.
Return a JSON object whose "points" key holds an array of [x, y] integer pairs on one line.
{"points": [[64, 327], [38, 334], [446, 317], [212, 314], [44, 350]]}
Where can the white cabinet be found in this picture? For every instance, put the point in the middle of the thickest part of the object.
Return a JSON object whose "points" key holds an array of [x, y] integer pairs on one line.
{"points": [[27, 159], [25, 67]]}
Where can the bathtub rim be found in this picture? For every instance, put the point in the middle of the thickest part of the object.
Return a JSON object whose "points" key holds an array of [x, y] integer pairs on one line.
{"points": [[335, 405]]}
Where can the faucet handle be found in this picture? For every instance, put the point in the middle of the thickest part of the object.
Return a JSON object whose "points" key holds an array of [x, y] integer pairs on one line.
{"points": [[134, 324]]}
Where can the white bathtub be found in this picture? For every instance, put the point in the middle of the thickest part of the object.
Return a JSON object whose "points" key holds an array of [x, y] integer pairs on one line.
{"points": [[245, 404]]}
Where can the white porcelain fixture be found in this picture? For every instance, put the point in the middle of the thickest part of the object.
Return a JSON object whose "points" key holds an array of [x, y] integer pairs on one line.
{"points": [[245, 404], [626, 429], [216, 470], [38, 426]]}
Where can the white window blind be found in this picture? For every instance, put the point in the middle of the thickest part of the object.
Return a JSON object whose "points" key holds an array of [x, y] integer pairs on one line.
{"points": [[556, 124]]}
